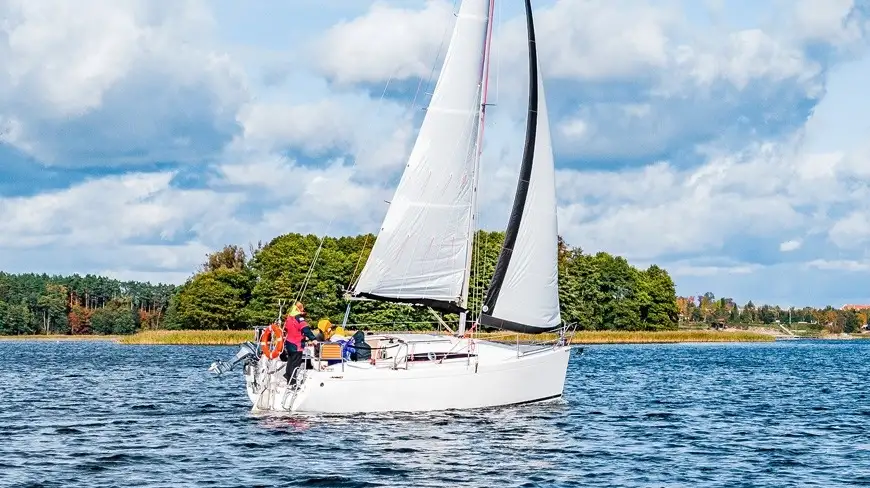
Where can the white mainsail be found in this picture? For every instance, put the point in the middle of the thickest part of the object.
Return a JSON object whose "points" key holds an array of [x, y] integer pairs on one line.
{"points": [[421, 250], [529, 294]]}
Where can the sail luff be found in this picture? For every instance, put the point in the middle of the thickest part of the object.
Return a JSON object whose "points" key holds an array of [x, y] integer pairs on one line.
{"points": [[421, 250]]}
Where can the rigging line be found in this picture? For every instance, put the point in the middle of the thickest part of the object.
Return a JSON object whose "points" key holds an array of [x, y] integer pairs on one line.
{"points": [[484, 90], [481, 258], [358, 261], [332, 219], [311, 269], [476, 268], [447, 26], [498, 56], [481, 126]]}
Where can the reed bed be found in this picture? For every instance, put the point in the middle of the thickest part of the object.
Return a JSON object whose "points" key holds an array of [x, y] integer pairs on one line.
{"points": [[634, 337], [233, 337], [668, 336], [189, 337]]}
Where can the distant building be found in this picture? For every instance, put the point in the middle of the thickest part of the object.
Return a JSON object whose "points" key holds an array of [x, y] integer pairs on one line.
{"points": [[850, 306]]}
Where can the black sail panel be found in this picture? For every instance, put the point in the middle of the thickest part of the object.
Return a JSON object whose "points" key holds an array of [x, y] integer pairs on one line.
{"points": [[516, 215]]}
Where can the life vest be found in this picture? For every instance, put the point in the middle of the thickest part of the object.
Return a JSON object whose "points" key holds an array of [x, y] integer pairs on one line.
{"points": [[293, 330]]}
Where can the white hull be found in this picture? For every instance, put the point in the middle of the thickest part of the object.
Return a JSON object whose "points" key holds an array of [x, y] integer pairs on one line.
{"points": [[495, 375]]}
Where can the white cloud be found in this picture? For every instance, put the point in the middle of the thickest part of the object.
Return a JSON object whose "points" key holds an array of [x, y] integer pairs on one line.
{"points": [[325, 200], [663, 81], [851, 231], [679, 269], [579, 40], [141, 222], [375, 132], [706, 127], [788, 246], [828, 21], [748, 55], [575, 128], [660, 210], [109, 210], [387, 42], [839, 265], [118, 76]]}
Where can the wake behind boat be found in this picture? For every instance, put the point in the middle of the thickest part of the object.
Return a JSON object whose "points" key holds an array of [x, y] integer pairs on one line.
{"points": [[423, 257]]}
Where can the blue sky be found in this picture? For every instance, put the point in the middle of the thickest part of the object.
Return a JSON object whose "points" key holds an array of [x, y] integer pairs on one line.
{"points": [[724, 140]]}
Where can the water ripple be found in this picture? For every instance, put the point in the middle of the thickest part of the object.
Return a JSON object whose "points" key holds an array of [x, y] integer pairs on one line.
{"points": [[99, 414]]}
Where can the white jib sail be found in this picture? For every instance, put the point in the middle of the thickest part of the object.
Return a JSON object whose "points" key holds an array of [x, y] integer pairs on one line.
{"points": [[421, 248], [530, 292]]}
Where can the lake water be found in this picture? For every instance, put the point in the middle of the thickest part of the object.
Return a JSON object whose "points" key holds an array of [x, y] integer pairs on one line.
{"points": [[96, 414]]}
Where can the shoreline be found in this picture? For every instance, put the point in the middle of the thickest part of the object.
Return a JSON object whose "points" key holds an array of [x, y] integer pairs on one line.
{"points": [[585, 337], [59, 338], [234, 337]]}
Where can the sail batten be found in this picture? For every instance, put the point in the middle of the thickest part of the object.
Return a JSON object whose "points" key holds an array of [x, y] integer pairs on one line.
{"points": [[421, 250], [524, 292]]}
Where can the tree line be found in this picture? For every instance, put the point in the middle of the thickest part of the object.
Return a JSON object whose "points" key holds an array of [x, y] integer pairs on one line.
{"points": [[708, 309], [234, 289], [42, 304], [597, 291]]}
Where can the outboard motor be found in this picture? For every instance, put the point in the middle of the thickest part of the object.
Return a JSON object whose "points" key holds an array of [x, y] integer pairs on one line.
{"points": [[247, 353]]}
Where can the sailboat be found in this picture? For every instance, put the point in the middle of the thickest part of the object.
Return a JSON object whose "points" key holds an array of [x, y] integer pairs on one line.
{"points": [[423, 257]]}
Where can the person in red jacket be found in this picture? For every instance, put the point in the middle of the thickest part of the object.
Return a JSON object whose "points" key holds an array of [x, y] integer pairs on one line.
{"points": [[296, 330]]}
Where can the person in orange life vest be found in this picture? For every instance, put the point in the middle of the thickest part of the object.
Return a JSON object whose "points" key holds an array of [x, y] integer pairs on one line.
{"points": [[296, 330]]}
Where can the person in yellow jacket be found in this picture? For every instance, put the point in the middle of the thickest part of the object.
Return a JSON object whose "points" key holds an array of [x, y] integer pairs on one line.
{"points": [[338, 331], [324, 329]]}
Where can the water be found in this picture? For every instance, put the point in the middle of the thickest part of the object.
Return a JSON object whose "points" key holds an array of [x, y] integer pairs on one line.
{"points": [[786, 414]]}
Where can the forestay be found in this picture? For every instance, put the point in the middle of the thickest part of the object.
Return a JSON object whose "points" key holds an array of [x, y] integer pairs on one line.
{"points": [[524, 293], [421, 250]]}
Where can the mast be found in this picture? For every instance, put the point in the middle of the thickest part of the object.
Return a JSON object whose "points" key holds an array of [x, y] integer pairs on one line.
{"points": [[472, 224]]}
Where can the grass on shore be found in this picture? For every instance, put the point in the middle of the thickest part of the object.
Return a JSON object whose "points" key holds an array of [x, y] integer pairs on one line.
{"points": [[189, 337], [668, 336], [233, 337]]}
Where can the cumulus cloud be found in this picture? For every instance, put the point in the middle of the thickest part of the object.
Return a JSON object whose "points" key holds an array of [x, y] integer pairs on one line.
{"points": [[375, 133], [836, 22], [109, 210], [307, 197], [665, 80], [676, 143], [130, 82], [141, 221], [761, 193], [788, 246], [851, 231], [387, 42]]}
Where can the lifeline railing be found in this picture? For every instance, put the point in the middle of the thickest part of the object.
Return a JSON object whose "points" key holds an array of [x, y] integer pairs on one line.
{"points": [[564, 336]]}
